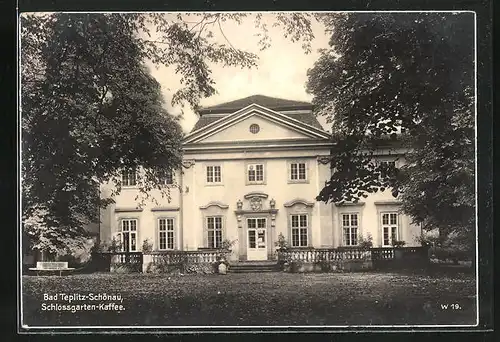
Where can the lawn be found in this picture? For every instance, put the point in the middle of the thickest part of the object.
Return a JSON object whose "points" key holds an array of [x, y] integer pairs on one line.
{"points": [[240, 299]]}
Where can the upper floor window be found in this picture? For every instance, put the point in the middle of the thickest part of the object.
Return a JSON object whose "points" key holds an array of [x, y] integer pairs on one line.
{"points": [[389, 228], [388, 163], [214, 174], [298, 171], [128, 235], [166, 233], [350, 225], [167, 178], [254, 128], [129, 177], [214, 231], [299, 230], [255, 173]]}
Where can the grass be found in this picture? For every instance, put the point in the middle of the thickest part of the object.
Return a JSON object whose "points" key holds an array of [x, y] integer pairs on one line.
{"points": [[259, 299]]}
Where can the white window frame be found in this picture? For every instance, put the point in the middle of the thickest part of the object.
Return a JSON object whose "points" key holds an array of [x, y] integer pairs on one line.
{"points": [[213, 180], [392, 228], [125, 174], [297, 164], [350, 227], [254, 166], [299, 227], [130, 232], [169, 173], [169, 233], [387, 162], [214, 242]]}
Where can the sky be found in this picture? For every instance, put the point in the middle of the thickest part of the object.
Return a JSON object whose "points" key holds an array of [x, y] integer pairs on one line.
{"points": [[281, 71]]}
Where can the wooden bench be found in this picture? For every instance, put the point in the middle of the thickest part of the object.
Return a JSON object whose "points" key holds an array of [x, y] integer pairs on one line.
{"points": [[51, 266]]}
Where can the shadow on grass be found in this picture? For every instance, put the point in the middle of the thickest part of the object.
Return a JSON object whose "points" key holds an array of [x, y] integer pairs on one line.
{"points": [[269, 299]]}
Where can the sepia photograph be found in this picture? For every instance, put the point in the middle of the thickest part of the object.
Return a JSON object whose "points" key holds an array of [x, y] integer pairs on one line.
{"points": [[217, 170]]}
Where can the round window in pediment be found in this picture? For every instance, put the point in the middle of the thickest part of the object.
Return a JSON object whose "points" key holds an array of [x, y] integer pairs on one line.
{"points": [[254, 128]]}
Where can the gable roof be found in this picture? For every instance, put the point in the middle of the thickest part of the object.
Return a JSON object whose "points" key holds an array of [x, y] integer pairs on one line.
{"points": [[273, 103], [307, 118], [220, 122]]}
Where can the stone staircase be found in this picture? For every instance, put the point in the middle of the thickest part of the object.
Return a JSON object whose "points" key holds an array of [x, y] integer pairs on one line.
{"points": [[254, 267]]}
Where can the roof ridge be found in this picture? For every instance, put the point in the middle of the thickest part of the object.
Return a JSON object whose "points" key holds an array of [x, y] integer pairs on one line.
{"points": [[263, 100]]}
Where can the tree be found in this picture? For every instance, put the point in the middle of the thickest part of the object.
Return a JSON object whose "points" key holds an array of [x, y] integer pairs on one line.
{"points": [[405, 79], [90, 108]]}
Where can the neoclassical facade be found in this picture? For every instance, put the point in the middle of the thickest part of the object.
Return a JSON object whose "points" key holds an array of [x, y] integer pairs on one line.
{"points": [[252, 170]]}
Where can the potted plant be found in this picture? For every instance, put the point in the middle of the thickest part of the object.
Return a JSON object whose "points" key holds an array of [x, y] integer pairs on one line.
{"points": [[223, 253], [398, 251], [147, 246], [281, 246], [365, 243]]}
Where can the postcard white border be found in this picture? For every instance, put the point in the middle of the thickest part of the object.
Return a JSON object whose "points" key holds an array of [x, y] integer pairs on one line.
{"points": [[213, 329]]}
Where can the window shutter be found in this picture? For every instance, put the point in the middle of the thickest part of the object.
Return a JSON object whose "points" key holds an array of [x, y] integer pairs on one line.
{"points": [[223, 223], [309, 228], [307, 171], [399, 228], [174, 222], [289, 230], [205, 232], [380, 238], [156, 242]]}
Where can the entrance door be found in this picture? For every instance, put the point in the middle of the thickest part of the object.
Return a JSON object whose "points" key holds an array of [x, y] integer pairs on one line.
{"points": [[257, 238]]}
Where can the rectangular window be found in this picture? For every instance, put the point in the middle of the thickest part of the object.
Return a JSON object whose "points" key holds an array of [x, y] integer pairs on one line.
{"points": [[128, 235], [299, 230], [388, 163], [389, 228], [168, 177], [166, 233], [214, 231], [214, 174], [298, 171], [350, 227], [128, 177], [255, 172]]}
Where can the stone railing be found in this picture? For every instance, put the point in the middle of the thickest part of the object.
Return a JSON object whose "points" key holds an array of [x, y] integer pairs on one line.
{"points": [[352, 257], [200, 261], [128, 258], [176, 257], [323, 254]]}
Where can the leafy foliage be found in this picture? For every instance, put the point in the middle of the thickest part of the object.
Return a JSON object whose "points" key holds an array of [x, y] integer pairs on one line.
{"points": [[90, 108], [402, 83]]}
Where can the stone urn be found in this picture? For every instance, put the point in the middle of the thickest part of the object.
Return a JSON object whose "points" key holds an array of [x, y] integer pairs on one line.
{"points": [[222, 269]]}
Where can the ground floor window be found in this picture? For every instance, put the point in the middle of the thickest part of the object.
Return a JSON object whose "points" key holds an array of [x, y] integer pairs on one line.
{"points": [[299, 230], [214, 231], [128, 235], [389, 228], [166, 233], [350, 226]]}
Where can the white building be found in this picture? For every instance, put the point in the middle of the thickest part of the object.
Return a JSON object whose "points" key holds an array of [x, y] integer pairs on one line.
{"points": [[253, 168]]}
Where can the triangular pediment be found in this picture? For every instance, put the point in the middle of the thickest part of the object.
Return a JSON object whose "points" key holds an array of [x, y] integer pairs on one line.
{"points": [[255, 123]]}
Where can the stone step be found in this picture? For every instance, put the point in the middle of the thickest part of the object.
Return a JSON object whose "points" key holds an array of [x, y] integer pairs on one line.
{"points": [[254, 267], [253, 270]]}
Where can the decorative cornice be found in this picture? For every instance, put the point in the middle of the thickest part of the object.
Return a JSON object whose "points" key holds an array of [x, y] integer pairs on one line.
{"points": [[165, 209], [324, 159], [350, 204], [388, 203], [298, 201], [215, 204], [188, 163], [263, 211], [254, 109], [255, 194], [127, 210]]}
